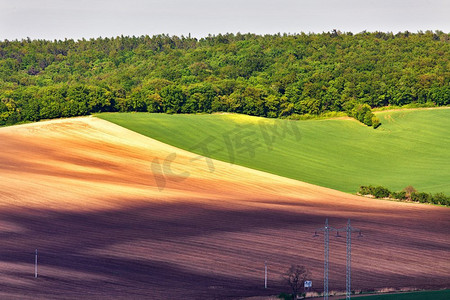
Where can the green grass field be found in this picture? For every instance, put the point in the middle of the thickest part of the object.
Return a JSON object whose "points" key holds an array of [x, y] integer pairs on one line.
{"points": [[431, 295], [412, 147]]}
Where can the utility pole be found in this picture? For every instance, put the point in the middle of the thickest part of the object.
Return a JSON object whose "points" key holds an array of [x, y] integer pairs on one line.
{"points": [[326, 237], [265, 274], [35, 264], [349, 229]]}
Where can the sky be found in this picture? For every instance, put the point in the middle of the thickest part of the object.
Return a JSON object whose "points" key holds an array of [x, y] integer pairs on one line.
{"points": [[76, 19]]}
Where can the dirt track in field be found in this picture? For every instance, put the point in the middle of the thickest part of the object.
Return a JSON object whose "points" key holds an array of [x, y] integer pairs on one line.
{"points": [[116, 215]]}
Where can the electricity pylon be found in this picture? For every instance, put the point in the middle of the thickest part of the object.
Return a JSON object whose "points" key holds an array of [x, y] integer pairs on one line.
{"points": [[349, 229], [326, 237]]}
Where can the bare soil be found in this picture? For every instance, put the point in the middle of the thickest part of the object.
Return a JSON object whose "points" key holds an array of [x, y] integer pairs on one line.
{"points": [[116, 215]]}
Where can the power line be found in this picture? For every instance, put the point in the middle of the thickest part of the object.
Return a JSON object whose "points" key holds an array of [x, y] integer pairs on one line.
{"points": [[326, 233], [349, 229], [326, 238]]}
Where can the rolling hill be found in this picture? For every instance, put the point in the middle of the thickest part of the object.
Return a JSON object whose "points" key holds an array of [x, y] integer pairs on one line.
{"points": [[117, 215], [410, 148]]}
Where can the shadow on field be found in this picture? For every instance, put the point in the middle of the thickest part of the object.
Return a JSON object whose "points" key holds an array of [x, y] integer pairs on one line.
{"points": [[75, 260], [176, 251]]}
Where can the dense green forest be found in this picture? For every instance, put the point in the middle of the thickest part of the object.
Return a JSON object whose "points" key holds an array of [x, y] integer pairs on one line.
{"points": [[272, 75]]}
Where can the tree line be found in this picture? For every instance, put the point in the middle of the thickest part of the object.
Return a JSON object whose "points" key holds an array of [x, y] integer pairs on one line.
{"points": [[276, 76], [409, 193]]}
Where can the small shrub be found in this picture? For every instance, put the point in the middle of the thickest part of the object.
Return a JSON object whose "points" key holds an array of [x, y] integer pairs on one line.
{"points": [[399, 195], [368, 118], [409, 190], [285, 296], [363, 113], [440, 198], [375, 122], [365, 190], [376, 191], [421, 197], [448, 202], [381, 192]]}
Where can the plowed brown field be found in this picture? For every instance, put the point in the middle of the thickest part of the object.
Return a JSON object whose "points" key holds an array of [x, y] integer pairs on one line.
{"points": [[116, 215]]}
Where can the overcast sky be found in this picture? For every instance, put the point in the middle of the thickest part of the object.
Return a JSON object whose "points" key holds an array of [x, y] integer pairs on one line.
{"points": [[59, 19]]}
